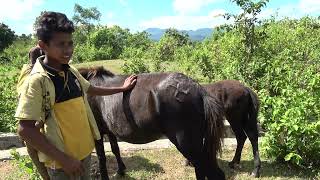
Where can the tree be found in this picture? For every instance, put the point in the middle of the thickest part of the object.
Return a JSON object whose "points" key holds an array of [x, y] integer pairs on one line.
{"points": [[246, 22], [139, 40], [170, 41], [85, 16], [180, 38], [112, 40], [83, 19], [7, 36], [25, 38]]}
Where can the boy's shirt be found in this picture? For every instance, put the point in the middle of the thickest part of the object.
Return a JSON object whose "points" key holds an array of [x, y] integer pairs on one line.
{"points": [[70, 126], [71, 114]]}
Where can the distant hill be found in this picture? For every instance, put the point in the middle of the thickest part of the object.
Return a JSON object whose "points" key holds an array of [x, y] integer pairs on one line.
{"points": [[196, 35]]}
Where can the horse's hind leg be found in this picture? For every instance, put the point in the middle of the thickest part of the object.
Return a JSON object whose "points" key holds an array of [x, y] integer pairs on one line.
{"points": [[190, 144], [241, 138], [211, 164], [116, 151], [190, 148], [207, 167], [199, 170], [206, 163], [252, 133], [197, 161], [102, 158]]}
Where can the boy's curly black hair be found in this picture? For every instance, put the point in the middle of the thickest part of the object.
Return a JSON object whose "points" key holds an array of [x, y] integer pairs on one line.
{"points": [[50, 22]]}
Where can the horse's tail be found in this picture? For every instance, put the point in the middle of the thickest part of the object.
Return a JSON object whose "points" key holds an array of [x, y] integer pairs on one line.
{"points": [[254, 106], [215, 127]]}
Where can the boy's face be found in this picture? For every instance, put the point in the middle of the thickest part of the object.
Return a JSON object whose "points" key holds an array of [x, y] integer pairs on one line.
{"points": [[60, 48]]}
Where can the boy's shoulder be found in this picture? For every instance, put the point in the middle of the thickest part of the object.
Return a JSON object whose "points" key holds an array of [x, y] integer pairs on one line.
{"points": [[74, 70], [35, 79], [26, 77]]}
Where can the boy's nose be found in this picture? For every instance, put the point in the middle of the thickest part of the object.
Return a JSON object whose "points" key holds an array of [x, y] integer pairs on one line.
{"points": [[68, 51]]}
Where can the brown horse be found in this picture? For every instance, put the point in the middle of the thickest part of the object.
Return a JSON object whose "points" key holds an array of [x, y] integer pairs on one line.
{"points": [[169, 104], [241, 108]]}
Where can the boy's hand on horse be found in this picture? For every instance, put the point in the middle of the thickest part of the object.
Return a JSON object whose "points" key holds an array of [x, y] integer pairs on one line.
{"points": [[103, 91], [129, 82]]}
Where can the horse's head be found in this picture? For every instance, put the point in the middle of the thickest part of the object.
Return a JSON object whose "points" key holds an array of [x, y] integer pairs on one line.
{"points": [[92, 72]]}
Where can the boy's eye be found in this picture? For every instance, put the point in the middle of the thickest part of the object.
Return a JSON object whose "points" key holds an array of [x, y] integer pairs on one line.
{"points": [[63, 44]]}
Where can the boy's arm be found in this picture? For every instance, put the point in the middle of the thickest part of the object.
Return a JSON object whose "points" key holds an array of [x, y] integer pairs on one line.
{"points": [[102, 91], [31, 134]]}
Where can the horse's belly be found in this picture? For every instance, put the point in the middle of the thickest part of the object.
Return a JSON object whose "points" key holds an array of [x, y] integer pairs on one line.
{"points": [[140, 137]]}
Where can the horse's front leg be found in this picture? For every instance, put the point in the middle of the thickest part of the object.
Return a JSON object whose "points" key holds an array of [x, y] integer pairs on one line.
{"points": [[116, 151], [102, 159]]}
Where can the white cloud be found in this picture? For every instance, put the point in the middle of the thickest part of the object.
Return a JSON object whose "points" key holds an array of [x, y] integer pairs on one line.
{"points": [[309, 6], [17, 9], [110, 15], [29, 28], [190, 6], [297, 10], [217, 13], [185, 22]]}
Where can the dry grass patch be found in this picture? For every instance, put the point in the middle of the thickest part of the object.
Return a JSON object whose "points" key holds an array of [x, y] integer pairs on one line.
{"points": [[111, 65], [168, 164]]}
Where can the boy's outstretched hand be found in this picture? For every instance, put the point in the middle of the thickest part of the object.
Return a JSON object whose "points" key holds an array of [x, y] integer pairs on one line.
{"points": [[129, 82]]}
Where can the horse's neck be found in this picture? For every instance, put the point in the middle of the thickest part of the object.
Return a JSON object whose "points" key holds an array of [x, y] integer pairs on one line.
{"points": [[109, 81]]}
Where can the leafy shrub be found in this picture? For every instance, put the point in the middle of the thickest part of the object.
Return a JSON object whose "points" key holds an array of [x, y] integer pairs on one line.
{"points": [[290, 92], [17, 53], [8, 96], [83, 53], [25, 164]]}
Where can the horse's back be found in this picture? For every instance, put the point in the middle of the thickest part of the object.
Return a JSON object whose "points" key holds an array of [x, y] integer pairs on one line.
{"points": [[231, 93], [158, 102], [164, 98]]}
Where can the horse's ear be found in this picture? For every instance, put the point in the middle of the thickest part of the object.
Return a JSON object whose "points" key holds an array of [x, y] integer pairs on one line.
{"points": [[83, 72], [91, 74], [86, 73]]}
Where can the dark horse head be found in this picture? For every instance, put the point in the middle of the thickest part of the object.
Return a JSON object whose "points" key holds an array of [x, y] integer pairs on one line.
{"points": [[169, 104]]}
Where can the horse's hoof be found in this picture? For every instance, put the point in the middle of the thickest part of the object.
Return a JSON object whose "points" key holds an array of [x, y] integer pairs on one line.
{"points": [[121, 172], [255, 174]]}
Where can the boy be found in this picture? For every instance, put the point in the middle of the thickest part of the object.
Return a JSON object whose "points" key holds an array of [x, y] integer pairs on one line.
{"points": [[67, 139]]}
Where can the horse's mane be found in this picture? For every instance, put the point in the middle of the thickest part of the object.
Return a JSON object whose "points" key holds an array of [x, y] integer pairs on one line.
{"points": [[98, 71]]}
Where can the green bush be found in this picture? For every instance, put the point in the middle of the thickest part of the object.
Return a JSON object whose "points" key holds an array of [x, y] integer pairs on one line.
{"points": [[17, 53], [8, 96], [290, 92], [25, 164], [83, 53]]}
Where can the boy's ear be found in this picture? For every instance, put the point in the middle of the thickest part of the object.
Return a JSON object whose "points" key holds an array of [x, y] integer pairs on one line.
{"points": [[42, 45]]}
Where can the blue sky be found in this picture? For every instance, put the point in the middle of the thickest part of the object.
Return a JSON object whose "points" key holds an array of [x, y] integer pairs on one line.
{"points": [[138, 15]]}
